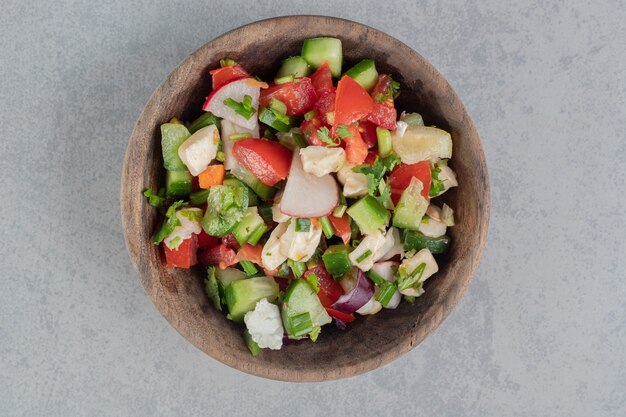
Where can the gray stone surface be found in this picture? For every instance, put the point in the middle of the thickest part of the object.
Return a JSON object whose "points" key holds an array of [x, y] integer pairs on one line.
{"points": [[542, 329]]}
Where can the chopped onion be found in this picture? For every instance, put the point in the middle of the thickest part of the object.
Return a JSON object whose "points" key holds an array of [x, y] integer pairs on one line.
{"points": [[357, 297], [447, 215]]}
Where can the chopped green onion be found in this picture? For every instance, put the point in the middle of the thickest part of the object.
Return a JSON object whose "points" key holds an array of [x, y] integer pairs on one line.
{"points": [[277, 105], [297, 268], [310, 115], [204, 120], [414, 278], [227, 62], [257, 234], [312, 280], [199, 197], [327, 227], [299, 139], [248, 268], [237, 136], [252, 345], [284, 80], [364, 256], [244, 109], [340, 210], [343, 132], [303, 225], [299, 325], [384, 141], [265, 210], [282, 117], [386, 292], [220, 156], [375, 278]]}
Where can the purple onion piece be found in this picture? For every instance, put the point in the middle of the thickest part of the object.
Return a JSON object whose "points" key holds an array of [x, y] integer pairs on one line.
{"points": [[357, 297], [287, 341]]}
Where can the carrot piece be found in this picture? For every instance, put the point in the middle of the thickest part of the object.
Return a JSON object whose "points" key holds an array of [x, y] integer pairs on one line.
{"points": [[213, 175]]}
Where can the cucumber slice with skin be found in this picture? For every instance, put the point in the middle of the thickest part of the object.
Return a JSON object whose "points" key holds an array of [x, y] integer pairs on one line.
{"points": [[411, 207], [300, 298], [415, 240], [241, 296], [262, 190], [295, 65], [172, 136], [336, 260], [317, 50], [204, 120], [229, 275], [268, 117], [246, 227], [177, 183], [364, 73], [253, 199], [369, 214]]}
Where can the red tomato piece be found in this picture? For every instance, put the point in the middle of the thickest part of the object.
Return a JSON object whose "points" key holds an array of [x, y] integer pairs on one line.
{"points": [[368, 133], [325, 104], [400, 178], [299, 95], [352, 102], [206, 241], [383, 116], [346, 318], [309, 129], [220, 255], [250, 253], [356, 148], [371, 158], [267, 160], [322, 79], [330, 290], [184, 256], [224, 75], [231, 241], [342, 227]]}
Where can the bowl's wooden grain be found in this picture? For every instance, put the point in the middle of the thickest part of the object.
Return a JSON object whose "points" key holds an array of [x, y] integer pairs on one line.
{"points": [[370, 342]]}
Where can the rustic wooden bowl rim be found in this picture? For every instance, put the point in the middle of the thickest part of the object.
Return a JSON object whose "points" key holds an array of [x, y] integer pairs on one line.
{"points": [[198, 323]]}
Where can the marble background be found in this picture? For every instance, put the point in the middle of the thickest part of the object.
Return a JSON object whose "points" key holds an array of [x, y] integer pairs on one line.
{"points": [[542, 329]]}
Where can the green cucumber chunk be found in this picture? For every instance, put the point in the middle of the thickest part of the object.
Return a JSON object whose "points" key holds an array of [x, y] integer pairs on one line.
{"points": [[248, 225], [241, 296], [317, 50], [212, 289], [205, 120], [300, 300], [177, 183], [253, 199], [416, 240], [364, 73], [229, 275], [295, 65], [172, 136], [280, 122], [368, 214], [253, 346], [199, 197], [411, 207], [262, 190], [336, 260]]}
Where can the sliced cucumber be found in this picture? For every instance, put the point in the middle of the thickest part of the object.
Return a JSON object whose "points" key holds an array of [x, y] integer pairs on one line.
{"points": [[248, 225], [205, 120], [271, 118], [295, 65], [415, 240], [212, 289], [364, 73], [411, 207], [369, 214], [199, 197], [317, 50], [301, 300], [172, 136], [177, 183], [253, 199], [229, 275], [262, 190], [241, 296], [252, 345], [336, 260]]}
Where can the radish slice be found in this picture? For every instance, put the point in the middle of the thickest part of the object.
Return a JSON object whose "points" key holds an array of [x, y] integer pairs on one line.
{"points": [[308, 196], [235, 90]]}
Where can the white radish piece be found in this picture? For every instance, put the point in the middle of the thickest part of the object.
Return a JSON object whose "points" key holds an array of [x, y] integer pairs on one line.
{"points": [[308, 196], [229, 128], [235, 90]]}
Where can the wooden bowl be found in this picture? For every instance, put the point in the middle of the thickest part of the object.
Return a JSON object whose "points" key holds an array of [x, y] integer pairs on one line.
{"points": [[371, 341]]}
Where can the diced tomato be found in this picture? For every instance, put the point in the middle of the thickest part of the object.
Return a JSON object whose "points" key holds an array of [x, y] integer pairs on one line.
{"points": [[220, 255], [231, 241], [330, 290], [370, 158], [400, 178], [184, 256], [250, 253], [342, 227], [352, 102], [382, 89], [267, 160], [206, 241], [383, 116], [322, 79], [368, 133], [356, 149], [346, 318], [309, 129], [299, 95], [325, 104], [224, 75]]}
